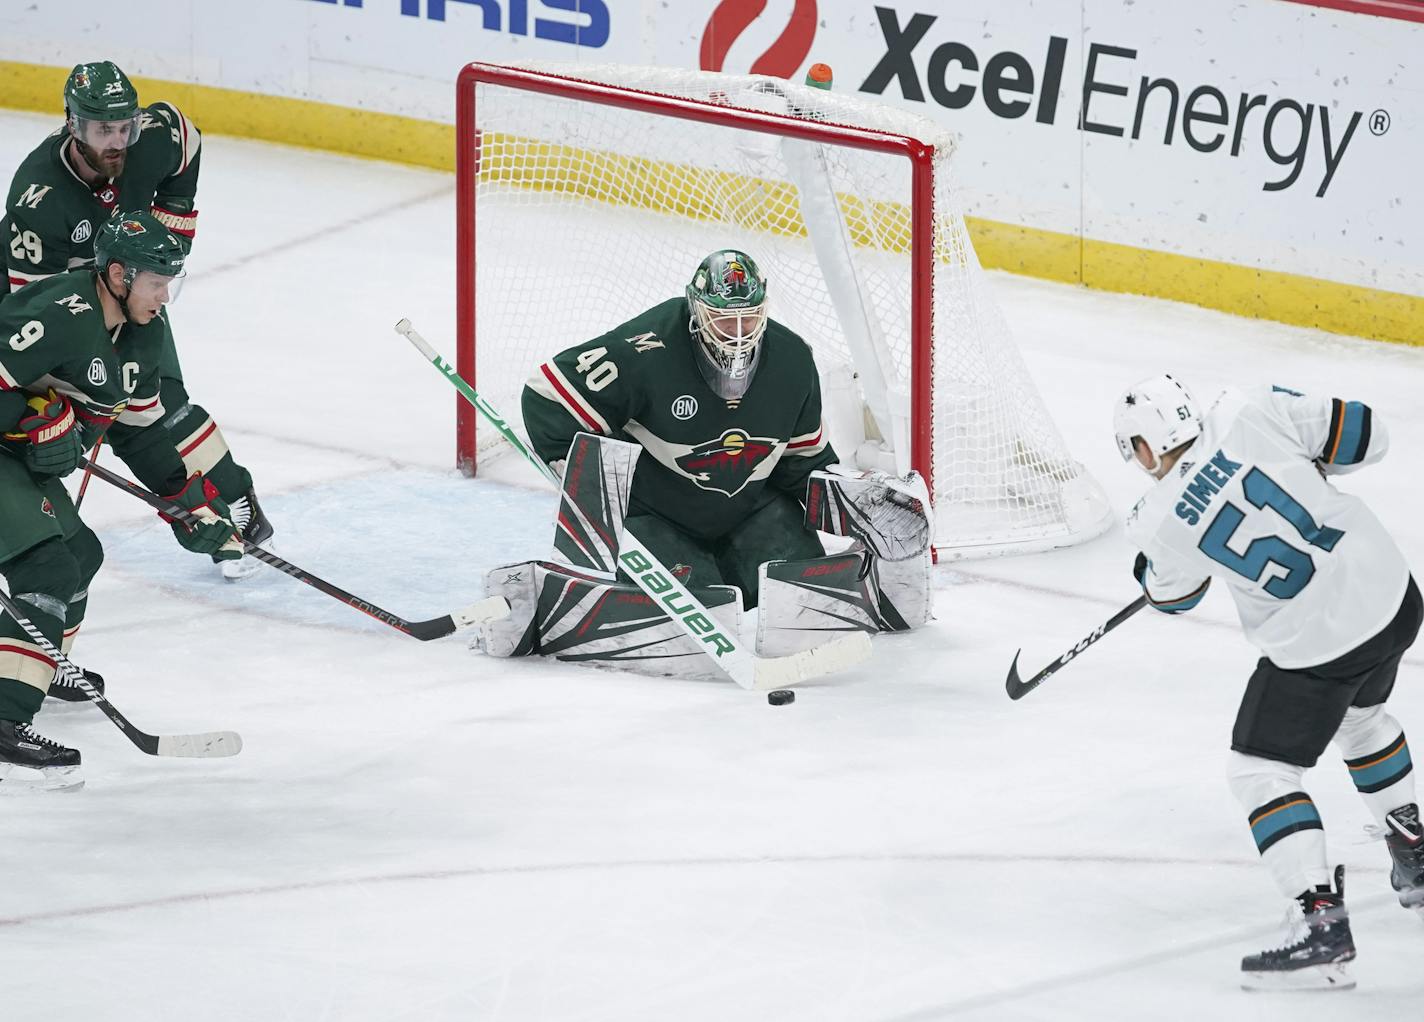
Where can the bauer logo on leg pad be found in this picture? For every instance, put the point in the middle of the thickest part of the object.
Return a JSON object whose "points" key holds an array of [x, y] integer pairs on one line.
{"points": [[671, 595]]}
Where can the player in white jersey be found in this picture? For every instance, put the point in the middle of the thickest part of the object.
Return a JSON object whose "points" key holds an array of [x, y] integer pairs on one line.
{"points": [[1243, 495]]}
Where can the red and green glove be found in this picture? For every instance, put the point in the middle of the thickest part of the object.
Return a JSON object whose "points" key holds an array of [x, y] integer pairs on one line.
{"points": [[55, 443], [213, 532]]}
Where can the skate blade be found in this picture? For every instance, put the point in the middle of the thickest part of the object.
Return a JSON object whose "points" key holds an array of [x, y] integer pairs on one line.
{"points": [[1333, 976], [18, 780]]}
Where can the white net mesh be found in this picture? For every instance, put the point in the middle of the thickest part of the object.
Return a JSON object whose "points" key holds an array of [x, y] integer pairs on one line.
{"points": [[586, 214]]}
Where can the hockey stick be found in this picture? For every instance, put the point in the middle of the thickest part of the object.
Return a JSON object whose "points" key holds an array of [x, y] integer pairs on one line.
{"points": [[436, 628], [207, 745], [88, 473], [1018, 689], [665, 589]]}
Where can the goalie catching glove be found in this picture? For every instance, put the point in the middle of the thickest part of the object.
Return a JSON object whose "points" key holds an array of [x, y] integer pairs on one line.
{"points": [[213, 533], [56, 443], [887, 513]]}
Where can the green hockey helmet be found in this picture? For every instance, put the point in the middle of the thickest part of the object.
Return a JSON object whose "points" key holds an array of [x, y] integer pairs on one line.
{"points": [[726, 305], [145, 248], [101, 106]]}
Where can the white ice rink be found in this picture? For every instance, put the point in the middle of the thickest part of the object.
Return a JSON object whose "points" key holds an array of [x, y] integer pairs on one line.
{"points": [[416, 832]]}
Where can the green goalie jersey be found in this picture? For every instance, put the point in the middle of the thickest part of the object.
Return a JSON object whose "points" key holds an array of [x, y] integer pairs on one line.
{"points": [[52, 335], [709, 462], [51, 214]]}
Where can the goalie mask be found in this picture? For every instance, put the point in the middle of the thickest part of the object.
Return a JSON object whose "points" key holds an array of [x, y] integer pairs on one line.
{"points": [[726, 306], [1162, 412]]}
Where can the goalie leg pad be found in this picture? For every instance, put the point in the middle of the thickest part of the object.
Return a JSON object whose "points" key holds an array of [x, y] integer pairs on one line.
{"points": [[576, 618], [905, 599], [806, 603], [598, 476]]}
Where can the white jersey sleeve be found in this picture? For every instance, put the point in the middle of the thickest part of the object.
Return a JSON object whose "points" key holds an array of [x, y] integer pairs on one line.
{"points": [[1340, 436], [1312, 571]]}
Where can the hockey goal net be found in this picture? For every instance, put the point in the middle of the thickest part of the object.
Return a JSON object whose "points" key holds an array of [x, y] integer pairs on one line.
{"points": [[586, 194]]}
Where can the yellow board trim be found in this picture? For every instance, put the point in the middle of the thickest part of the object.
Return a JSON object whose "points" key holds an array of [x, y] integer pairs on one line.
{"points": [[1105, 266]]}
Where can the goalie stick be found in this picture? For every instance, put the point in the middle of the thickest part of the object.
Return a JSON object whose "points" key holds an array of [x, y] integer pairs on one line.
{"points": [[758, 674], [435, 628], [207, 745], [1018, 689]]}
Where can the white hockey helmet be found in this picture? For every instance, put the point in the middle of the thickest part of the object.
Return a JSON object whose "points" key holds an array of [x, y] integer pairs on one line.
{"points": [[1160, 410]]}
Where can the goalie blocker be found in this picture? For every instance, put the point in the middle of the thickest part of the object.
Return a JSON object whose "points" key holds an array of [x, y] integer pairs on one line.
{"points": [[573, 608]]}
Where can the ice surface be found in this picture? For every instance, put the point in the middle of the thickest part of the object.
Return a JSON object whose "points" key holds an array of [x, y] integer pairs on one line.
{"points": [[416, 832]]}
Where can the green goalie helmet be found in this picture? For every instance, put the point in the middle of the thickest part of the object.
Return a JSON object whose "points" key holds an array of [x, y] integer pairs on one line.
{"points": [[141, 244], [101, 106], [726, 305]]}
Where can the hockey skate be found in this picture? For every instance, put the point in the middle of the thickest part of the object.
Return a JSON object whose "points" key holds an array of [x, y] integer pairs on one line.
{"points": [[1405, 838], [31, 762], [1315, 950], [255, 528], [62, 688]]}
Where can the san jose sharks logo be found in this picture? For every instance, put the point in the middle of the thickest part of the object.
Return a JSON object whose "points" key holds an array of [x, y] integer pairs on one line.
{"points": [[727, 464]]}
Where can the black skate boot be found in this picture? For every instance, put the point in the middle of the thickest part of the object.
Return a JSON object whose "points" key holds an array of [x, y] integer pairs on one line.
{"points": [[62, 688], [1315, 950], [1405, 838], [30, 761], [255, 528]]}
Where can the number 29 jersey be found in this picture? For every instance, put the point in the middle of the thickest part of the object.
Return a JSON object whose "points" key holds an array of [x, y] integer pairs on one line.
{"points": [[1313, 572]]}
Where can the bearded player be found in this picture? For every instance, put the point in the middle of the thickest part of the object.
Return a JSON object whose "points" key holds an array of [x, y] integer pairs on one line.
{"points": [[730, 490], [114, 154], [82, 361]]}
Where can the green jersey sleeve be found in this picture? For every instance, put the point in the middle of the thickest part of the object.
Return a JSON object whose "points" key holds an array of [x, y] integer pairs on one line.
{"points": [[589, 388], [52, 334], [808, 449], [33, 219], [176, 195]]}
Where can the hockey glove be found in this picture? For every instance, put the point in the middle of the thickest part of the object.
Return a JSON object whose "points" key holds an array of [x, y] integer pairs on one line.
{"points": [[56, 443], [1139, 569], [214, 532]]}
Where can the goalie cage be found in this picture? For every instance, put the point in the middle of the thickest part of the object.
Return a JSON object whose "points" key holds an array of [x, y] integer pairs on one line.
{"points": [[571, 177]]}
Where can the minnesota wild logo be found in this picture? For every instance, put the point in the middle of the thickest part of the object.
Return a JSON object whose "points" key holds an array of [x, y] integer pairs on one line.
{"points": [[727, 464], [132, 227]]}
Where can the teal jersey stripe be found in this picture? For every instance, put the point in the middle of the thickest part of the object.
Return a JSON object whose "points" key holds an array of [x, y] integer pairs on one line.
{"points": [[1351, 449]]}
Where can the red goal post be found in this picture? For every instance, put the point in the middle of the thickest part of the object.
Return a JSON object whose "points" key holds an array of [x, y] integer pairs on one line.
{"points": [[531, 140]]}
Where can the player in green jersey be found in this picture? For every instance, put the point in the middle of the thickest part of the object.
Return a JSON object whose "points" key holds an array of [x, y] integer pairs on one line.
{"points": [[727, 404], [113, 154], [82, 360]]}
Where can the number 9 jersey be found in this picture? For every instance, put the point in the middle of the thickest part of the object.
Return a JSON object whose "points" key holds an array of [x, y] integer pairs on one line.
{"points": [[1313, 572]]}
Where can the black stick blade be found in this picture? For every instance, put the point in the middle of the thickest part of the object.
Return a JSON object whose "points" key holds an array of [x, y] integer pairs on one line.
{"points": [[1014, 686]]}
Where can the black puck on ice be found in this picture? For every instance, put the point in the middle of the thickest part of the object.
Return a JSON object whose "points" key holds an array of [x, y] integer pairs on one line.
{"points": [[781, 697]]}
